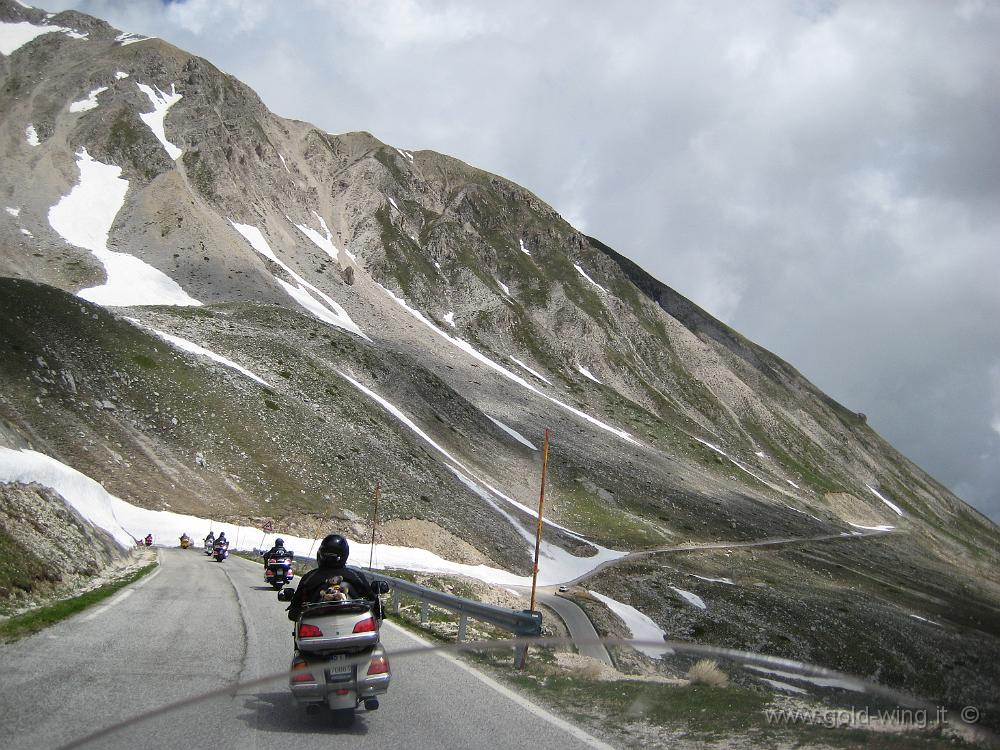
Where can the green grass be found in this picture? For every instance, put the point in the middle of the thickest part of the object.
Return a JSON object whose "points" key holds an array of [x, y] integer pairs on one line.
{"points": [[31, 622]]}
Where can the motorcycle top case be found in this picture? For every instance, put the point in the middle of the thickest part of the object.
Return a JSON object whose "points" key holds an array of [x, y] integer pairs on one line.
{"points": [[336, 622]]}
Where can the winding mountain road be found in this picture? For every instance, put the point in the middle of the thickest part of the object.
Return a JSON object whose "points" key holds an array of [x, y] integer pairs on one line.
{"points": [[196, 626]]}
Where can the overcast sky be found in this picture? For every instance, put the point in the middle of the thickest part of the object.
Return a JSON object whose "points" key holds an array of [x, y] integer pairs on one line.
{"points": [[823, 176]]}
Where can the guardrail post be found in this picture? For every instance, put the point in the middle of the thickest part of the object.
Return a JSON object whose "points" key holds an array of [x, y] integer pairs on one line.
{"points": [[463, 621], [423, 612], [395, 601]]}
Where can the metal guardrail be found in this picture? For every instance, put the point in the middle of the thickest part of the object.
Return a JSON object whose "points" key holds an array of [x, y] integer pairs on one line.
{"points": [[522, 623]]}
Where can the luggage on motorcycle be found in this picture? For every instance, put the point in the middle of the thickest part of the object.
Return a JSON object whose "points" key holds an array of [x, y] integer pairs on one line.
{"points": [[342, 626]]}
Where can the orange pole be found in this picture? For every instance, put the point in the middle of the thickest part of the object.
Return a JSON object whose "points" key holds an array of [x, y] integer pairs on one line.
{"points": [[371, 555], [538, 531]]}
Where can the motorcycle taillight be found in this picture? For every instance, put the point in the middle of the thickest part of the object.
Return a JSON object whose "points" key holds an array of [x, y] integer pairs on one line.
{"points": [[379, 665], [366, 626], [298, 675], [310, 631]]}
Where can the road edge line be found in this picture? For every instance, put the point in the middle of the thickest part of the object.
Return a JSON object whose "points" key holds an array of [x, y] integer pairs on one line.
{"points": [[533, 708]]}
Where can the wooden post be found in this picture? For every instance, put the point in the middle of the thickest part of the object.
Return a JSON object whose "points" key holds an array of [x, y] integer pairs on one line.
{"points": [[463, 622], [538, 530], [371, 552], [521, 654]]}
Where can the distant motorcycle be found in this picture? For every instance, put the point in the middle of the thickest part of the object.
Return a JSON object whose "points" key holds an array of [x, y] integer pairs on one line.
{"points": [[209, 545], [185, 541], [149, 540], [278, 570], [221, 551]]}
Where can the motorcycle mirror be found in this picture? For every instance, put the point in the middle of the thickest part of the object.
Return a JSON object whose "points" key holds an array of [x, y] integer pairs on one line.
{"points": [[383, 586], [286, 594]]}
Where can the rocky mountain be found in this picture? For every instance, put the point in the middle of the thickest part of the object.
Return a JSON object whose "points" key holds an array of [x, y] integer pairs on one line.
{"points": [[216, 310]]}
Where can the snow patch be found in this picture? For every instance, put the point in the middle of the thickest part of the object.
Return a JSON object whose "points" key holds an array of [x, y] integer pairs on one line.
{"points": [[84, 217], [924, 619], [512, 432], [690, 598], [506, 289], [393, 203], [726, 581], [784, 686], [737, 464], [193, 348], [323, 241], [476, 354], [587, 373], [85, 105], [449, 318], [155, 119], [26, 233], [405, 154], [31, 135], [584, 274], [15, 212], [324, 308], [523, 366], [129, 37], [284, 164], [639, 625], [523, 248], [15, 35], [120, 75], [883, 527], [792, 483], [885, 500]]}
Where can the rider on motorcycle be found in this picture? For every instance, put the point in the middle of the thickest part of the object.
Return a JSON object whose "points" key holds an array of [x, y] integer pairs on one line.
{"points": [[278, 550], [332, 561], [210, 539]]}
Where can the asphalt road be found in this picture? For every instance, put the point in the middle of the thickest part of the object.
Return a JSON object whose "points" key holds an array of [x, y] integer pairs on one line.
{"points": [[196, 626]]}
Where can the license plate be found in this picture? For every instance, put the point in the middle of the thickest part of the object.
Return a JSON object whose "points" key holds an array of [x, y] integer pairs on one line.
{"points": [[338, 668]]}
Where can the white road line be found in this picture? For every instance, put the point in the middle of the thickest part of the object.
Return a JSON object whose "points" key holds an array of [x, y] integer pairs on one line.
{"points": [[523, 702], [122, 596]]}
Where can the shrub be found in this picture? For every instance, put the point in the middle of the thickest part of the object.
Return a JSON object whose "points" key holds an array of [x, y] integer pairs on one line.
{"points": [[707, 672]]}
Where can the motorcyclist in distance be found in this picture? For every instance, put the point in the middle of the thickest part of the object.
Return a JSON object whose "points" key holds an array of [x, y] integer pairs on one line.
{"points": [[278, 550], [210, 539], [332, 561]]}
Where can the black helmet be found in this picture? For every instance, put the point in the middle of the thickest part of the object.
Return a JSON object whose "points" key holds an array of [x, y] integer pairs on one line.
{"points": [[333, 551], [279, 542], [222, 534]]}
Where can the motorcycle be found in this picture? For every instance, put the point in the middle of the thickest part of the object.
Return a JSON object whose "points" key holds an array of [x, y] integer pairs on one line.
{"points": [[149, 540], [278, 571], [339, 660], [209, 546], [185, 541], [221, 551]]}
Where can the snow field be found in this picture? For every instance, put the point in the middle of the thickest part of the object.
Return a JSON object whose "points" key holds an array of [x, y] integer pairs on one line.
{"points": [[127, 523], [84, 217], [639, 625], [14, 35]]}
